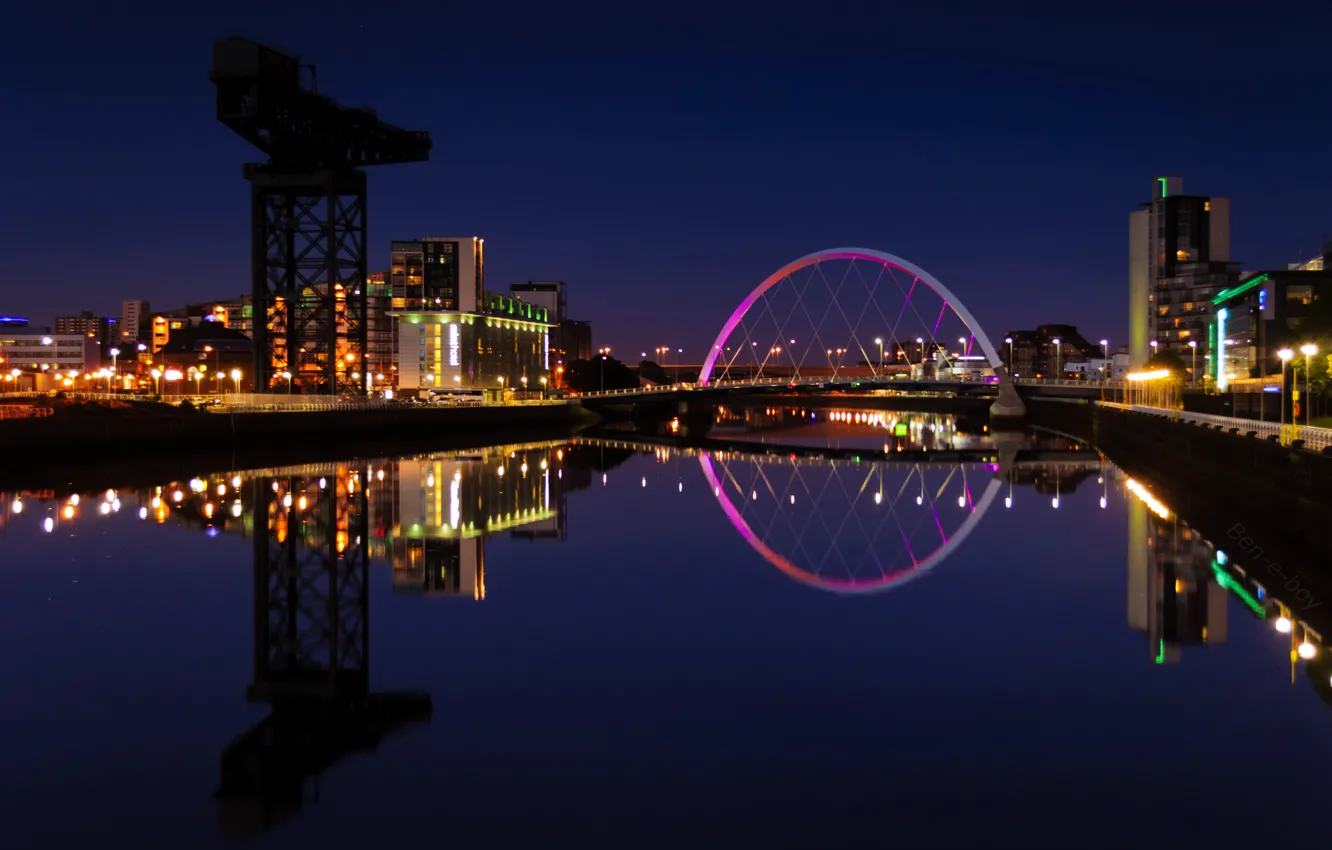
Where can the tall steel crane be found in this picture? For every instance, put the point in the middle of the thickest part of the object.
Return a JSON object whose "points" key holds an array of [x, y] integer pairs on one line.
{"points": [[308, 215]]}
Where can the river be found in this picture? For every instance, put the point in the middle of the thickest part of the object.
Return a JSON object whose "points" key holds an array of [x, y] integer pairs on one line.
{"points": [[866, 629]]}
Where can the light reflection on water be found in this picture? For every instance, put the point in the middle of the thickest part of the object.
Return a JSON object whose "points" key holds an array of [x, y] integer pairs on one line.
{"points": [[852, 507]]}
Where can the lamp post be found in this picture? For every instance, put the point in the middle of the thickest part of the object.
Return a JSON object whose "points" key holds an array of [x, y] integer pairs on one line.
{"points": [[157, 385], [1308, 350], [1009, 340], [236, 376], [543, 387], [603, 352], [1057, 344], [115, 352], [878, 340], [1193, 373], [1285, 355], [287, 376]]}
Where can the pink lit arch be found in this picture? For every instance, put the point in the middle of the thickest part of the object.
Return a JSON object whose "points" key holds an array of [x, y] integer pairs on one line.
{"points": [[853, 254]]}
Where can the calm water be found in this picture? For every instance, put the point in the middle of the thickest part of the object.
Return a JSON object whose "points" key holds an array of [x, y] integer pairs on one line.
{"points": [[601, 643]]}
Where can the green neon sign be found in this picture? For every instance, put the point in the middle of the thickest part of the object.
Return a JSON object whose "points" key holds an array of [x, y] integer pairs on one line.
{"points": [[1227, 294], [1162, 181]]}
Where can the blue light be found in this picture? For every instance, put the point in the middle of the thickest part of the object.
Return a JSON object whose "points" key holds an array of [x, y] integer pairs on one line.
{"points": [[1221, 557], [1271, 389]]}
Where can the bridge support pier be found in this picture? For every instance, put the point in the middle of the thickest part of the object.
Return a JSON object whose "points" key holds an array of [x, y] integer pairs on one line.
{"points": [[1009, 412]]}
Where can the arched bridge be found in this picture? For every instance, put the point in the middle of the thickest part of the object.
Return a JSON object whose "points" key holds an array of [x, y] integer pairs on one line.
{"points": [[851, 319]]}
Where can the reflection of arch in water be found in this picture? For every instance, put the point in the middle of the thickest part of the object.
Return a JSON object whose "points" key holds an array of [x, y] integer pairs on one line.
{"points": [[885, 582]]}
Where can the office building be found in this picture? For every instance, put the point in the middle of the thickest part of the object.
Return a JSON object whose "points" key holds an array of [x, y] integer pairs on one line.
{"points": [[544, 293], [134, 315], [570, 339], [504, 347], [438, 273], [1179, 259], [29, 351], [1262, 313], [380, 328], [103, 329]]}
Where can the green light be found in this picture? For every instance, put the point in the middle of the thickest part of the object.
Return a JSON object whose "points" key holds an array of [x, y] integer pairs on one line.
{"points": [[1160, 652], [1227, 294], [1162, 181], [1221, 381], [1225, 581]]}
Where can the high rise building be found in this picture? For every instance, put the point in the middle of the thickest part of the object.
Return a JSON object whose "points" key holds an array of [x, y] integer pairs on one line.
{"points": [[104, 330], [1179, 259], [438, 273], [133, 312], [544, 293]]}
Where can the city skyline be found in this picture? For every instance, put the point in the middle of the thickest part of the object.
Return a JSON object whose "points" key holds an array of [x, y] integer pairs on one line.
{"points": [[663, 174]]}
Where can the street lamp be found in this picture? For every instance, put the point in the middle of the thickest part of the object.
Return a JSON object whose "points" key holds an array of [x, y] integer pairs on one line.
{"points": [[236, 376], [1193, 373], [1285, 355], [1154, 343], [1009, 340], [878, 340], [1105, 358], [543, 387], [1308, 350], [287, 376], [602, 365], [115, 352], [1057, 343], [157, 386], [197, 376]]}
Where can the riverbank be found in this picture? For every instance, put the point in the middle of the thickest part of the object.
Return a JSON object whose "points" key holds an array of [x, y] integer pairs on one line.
{"points": [[95, 449], [1231, 487]]}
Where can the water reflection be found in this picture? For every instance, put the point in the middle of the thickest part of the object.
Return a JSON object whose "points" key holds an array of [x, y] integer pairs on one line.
{"points": [[860, 509]]}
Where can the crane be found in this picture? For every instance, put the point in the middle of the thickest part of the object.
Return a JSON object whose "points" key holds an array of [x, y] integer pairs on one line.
{"points": [[308, 215]]}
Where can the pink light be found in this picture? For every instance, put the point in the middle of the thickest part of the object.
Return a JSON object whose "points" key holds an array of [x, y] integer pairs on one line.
{"points": [[853, 254]]}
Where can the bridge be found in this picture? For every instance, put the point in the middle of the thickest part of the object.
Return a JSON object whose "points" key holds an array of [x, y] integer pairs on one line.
{"points": [[853, 319]]}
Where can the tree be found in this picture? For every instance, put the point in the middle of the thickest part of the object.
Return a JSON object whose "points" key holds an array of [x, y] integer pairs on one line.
{"points": [[601, 372]]}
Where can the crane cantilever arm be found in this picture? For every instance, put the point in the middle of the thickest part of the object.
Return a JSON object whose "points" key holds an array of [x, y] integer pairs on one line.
{"points": [[260, 98]]}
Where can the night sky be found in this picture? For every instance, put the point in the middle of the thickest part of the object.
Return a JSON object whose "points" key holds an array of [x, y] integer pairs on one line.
{"points": [[665, 165]]}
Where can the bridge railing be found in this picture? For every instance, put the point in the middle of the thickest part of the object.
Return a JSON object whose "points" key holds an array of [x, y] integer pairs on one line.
{"points": [[868, 382], [1315, 439]]}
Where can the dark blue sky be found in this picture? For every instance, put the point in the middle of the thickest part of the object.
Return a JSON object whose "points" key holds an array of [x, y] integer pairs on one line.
{"points": [[665, 165]]}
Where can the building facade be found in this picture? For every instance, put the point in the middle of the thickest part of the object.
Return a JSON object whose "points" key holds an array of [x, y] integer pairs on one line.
{"points": [[544, 293], [30, 352], [1179, 259], [1263, 313], [134, 314], [438, 273], [103, 329], [504, 347], [1047, 351]]}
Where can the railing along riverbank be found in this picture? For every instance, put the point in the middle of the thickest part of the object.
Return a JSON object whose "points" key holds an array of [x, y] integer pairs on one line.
{"points": [[1308, 437]]}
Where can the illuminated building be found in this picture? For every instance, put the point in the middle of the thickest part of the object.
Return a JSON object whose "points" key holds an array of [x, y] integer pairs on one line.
{"points": [[133, 314], [1261, 314], [570, 339], [105, 330], [506, 347], [1179, 259], [438, 273], [37, 353]]}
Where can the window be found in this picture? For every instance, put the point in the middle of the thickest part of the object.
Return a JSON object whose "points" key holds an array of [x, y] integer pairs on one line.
{"points": [[1181, 254], [1301, 293]]}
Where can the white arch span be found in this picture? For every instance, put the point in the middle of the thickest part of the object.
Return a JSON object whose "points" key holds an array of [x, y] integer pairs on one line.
{"points": [[791, 268]]}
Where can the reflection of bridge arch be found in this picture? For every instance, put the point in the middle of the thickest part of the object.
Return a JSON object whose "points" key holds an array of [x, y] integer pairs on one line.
{"points": [[887, 579], [886, 263]]}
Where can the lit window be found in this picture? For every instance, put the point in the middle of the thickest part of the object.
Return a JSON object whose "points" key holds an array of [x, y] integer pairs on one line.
{"points": [[1181, 255]]}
